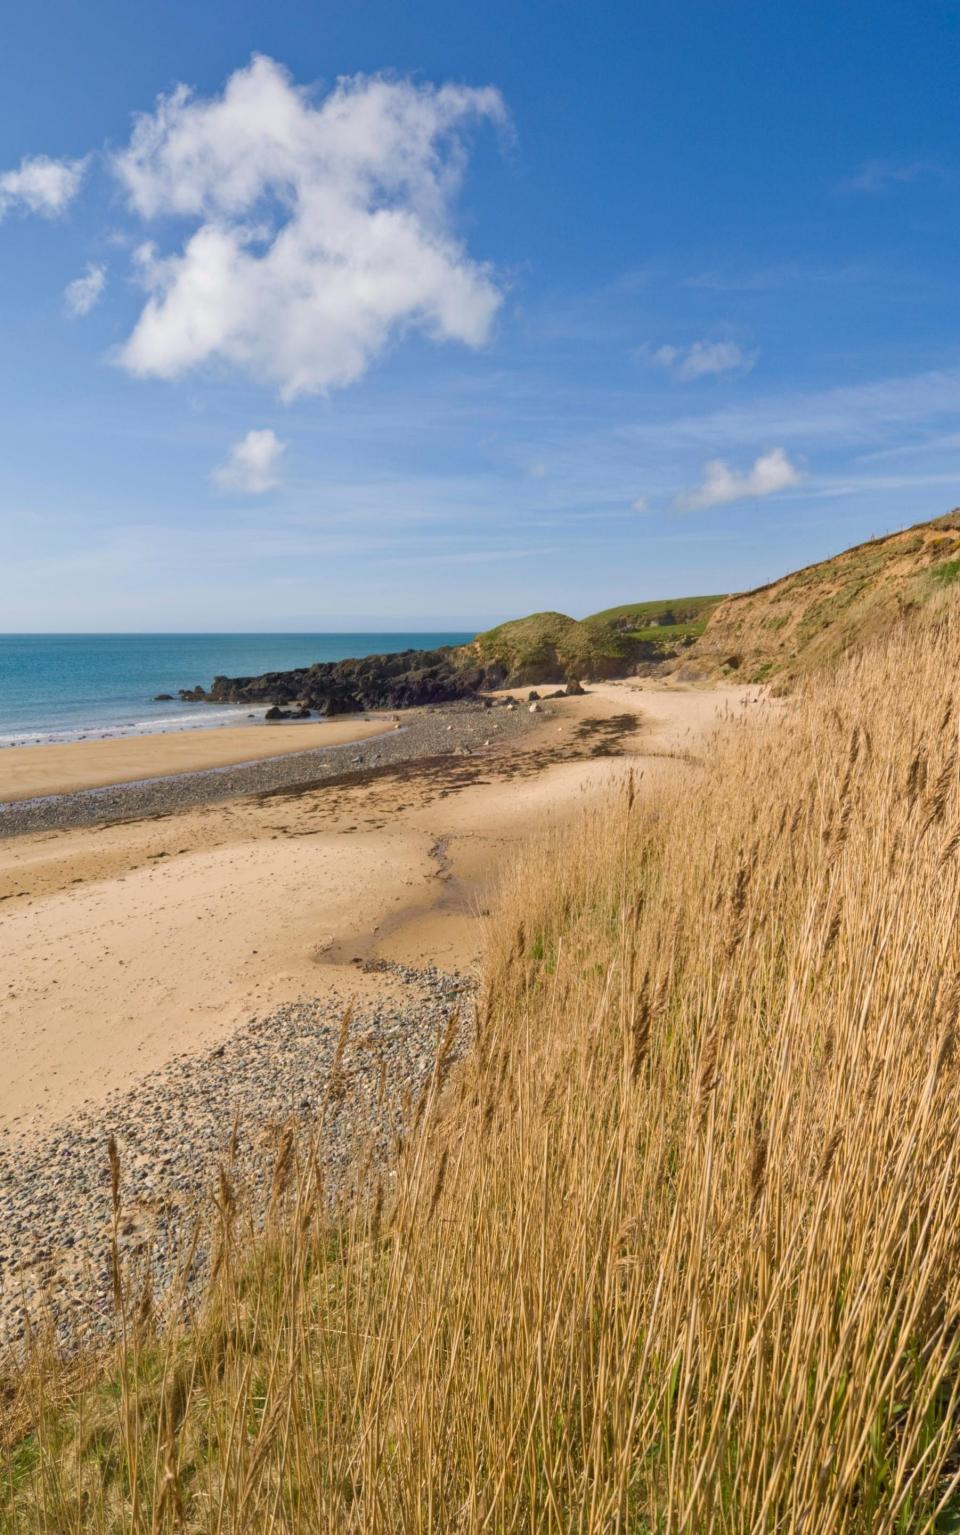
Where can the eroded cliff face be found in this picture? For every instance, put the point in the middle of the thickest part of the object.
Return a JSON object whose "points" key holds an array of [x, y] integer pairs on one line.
{"points": [[812, 617]]}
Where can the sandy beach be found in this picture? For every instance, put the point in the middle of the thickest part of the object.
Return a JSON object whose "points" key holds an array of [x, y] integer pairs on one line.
{"points": [[28, 772], [123, 945], [185, 965]]}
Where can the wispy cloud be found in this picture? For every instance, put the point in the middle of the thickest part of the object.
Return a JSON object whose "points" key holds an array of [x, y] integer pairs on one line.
{"points": [[881, 175], [41, 185], [846, 415], [857, 485], [770, 473], [776, 276], [928, 447], [253, 466], [702, 359], [469, 556], [84, 292]]}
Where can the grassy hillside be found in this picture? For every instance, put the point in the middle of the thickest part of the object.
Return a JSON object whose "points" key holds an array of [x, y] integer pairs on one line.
{"points": [[810, 618], [550, 647], [806, 620], [663, 613], [678, 1249]]}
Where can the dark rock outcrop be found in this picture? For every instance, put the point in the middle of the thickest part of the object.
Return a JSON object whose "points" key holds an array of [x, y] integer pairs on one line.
{"points": [[401, 681], [275, 713]]}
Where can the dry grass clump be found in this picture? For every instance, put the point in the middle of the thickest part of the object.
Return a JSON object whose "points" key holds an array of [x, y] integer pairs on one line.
{"points": [[677, 1250]]}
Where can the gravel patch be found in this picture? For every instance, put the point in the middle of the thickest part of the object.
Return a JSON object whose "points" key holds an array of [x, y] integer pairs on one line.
{"points": [[448, 730], [177, 1128]]}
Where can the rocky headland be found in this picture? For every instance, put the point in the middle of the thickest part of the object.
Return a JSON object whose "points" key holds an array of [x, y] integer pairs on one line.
{"points": [[408, 679], [545, 649]]}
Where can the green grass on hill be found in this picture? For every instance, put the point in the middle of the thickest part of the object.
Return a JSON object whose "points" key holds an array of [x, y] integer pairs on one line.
{"points": [[544, 647], [945, 574], [677, 610], [665, 634], [551, 646]]}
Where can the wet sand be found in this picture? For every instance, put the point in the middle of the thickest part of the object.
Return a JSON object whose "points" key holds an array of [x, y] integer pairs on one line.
{"points": [[29, 772]]}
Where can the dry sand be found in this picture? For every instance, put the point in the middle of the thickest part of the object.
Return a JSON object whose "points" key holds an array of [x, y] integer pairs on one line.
{"points": [[125, 945], [28, 772]]}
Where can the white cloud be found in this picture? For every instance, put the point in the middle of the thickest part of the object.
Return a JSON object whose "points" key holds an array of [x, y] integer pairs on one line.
{"points": [[253, 465], [770, 473], [639, 504], [41, 185], [703, 359], [84, 292], [322, 230]]}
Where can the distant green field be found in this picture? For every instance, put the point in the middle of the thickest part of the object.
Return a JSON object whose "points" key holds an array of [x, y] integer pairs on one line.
{"points": [[681, 611], [662, 634]]}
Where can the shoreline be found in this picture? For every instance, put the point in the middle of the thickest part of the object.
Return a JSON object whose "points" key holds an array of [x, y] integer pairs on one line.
{"points": [[140, 922], [232, 716], [144, 920], [364, 746], [33, 773]]}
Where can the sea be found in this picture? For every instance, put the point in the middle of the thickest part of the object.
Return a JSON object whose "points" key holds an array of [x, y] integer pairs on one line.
{"points": [[74, 687]]}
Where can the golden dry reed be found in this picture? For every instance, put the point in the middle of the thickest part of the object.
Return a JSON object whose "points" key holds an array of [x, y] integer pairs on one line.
{"points": [[677, 1250]]}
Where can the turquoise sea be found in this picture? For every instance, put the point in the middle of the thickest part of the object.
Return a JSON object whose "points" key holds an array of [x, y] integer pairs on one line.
{"points": [[69, 687]]}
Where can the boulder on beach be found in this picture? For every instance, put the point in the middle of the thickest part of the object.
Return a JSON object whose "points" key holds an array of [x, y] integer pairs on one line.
{"points": [[163, 698], [299, 712]]}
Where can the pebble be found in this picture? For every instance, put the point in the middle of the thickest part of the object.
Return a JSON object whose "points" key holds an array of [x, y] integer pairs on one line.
{"points": [[174, 1133], [425, 732]]}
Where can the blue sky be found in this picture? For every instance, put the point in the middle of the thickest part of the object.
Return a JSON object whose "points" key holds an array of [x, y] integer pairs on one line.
{"points": [[542, 305]]}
